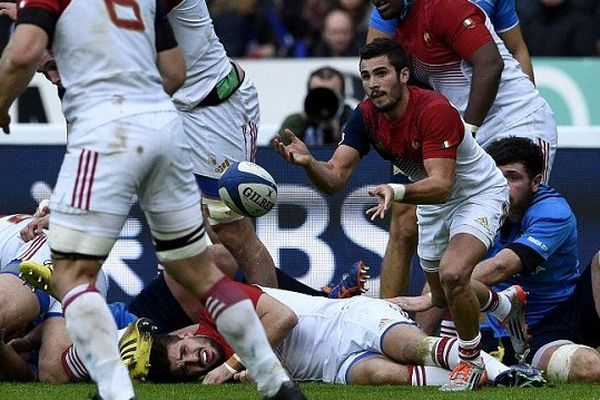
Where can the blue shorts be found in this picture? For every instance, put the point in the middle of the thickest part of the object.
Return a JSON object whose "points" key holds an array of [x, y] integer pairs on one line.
{"points": [[575, 319], [158, 303]]}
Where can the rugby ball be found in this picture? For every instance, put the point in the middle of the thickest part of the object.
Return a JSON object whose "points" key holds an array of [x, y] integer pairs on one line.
{"points": [[248, 189]]}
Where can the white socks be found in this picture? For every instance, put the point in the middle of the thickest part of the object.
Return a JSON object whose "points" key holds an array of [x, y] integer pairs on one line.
{"points": [[93, 331], [242, 329]]}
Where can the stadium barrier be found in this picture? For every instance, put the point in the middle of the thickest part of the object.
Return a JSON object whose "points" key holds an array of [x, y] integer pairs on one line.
{"points": [[312, 236]]}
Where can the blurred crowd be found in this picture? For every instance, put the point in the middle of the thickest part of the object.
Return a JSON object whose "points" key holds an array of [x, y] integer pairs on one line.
{"points": [[337, 28]]}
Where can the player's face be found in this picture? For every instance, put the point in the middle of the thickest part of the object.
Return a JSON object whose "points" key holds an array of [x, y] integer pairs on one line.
{"points": [[388, 9], [194, 356], [522, 188], [382, 84]]}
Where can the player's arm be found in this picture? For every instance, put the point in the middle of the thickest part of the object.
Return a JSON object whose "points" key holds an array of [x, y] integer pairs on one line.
{"points": [[546, 231], [170, 61], [328, 176], [13, 367], [513, 39], [487, 69], [277, 319], [435, 189], [442, 131], [463, 27], [498, 268], [18, 64], [379, 27]]}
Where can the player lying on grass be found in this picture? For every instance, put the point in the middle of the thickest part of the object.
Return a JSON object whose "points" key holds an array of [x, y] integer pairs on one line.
{"points": [[360, 341], [163, 300], [21, 309]]}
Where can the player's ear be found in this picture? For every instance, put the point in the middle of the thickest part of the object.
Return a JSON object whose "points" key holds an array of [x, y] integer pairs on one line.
{"points": [[404, 75], [537, 180]]}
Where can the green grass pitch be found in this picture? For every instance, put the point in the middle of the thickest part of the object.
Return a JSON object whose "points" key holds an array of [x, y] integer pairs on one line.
{"points": [[314, 391]]}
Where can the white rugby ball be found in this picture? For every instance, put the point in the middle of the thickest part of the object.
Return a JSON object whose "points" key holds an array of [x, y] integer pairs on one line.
{"points": [[248, 189]]}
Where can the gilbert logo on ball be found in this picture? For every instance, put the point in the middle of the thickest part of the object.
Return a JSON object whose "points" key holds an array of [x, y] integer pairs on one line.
{"points": [[248, 189]]}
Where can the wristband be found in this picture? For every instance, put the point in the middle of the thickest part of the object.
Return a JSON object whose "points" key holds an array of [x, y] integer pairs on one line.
{"points": [[399, 191], [234, 364], [230, 369], [472, 128]]}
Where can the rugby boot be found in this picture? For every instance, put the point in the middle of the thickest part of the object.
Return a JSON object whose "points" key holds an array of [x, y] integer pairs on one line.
{"points": [[352, 283], [520, 375], [466, 376], [37, 275], [135, 345], [288, 391], [514, 323]]}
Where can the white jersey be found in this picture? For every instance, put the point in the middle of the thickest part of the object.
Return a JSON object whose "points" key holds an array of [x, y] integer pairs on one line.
{"points": [[113, 44], [10, 238], [330, 331], [205, 56]]}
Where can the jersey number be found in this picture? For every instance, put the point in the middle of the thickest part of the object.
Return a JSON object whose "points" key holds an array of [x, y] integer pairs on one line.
{"points": [[135, 24]]}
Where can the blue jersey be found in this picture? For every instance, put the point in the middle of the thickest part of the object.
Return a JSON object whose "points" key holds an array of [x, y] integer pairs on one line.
{"points": [[502, 13], [547, 233]]}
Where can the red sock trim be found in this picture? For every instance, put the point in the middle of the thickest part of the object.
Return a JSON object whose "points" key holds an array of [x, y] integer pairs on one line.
{"points": [[493, 303], [223, 295], [68, 300]]}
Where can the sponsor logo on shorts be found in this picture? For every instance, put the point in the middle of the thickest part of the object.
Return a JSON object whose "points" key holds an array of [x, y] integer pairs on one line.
{"points": [[223, 166], [483, 221]]}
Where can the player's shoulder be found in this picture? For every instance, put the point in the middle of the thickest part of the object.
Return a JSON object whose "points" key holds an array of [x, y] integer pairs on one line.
{"points": [[425, 100], [547, 203]]}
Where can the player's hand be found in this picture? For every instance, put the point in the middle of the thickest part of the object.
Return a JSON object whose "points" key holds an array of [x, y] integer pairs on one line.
{"points": [[242, 376], [5, 122], [296, 152], [218, 375], [35, 227], [413, 303], [385, 194], [8, 9]]}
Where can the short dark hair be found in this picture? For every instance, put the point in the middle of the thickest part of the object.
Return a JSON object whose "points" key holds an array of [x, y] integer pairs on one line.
{"points": [[160, 365], [327, 73], [515, 149], [396, 54]]}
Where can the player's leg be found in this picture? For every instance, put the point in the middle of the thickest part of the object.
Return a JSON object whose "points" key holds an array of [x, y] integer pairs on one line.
{"points": [[220, 135], [18, 305], [239, 237], [55, 342], [595, 275], [401, 246], [172, 206], [565, 361], [377, 369]]}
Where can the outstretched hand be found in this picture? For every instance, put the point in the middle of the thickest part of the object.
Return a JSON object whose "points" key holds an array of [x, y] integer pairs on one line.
{"points": [[296, 152], [413, 303], [218, 375], [385, 194]]}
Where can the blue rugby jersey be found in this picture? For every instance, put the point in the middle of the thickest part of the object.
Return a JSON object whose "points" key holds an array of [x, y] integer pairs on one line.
{"points": [[548, 228]]}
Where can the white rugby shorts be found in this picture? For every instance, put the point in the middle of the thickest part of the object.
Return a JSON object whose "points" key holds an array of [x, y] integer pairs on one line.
{"points": [[145, 155], [225, 133], [480, 216]]}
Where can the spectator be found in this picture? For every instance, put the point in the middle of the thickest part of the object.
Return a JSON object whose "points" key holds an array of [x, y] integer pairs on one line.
{"points": [[557, 28], [338, 37], [325, 112], [360, 12]]}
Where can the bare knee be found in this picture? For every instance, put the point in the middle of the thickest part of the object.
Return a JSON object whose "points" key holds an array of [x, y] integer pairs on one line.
{"points": [[585, 366], [453, 280], [52, 372]]}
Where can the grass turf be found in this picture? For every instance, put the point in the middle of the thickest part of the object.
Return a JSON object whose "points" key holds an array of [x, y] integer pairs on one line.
{"points": [[314, 391]]}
